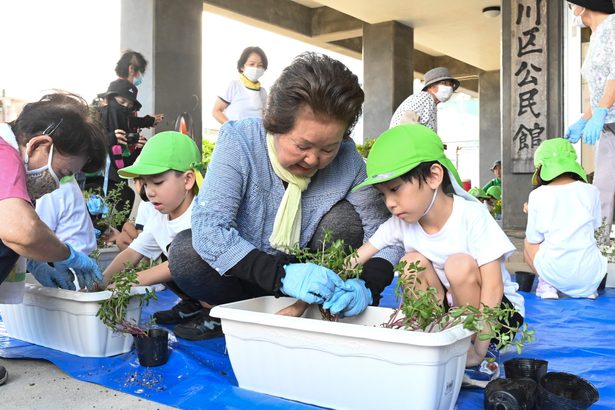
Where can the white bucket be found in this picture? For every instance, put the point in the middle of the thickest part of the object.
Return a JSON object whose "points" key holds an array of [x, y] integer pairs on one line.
{"points": [[12, 289]]}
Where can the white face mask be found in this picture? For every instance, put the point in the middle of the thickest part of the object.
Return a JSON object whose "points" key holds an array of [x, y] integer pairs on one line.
{"points": [[253, 73], [577, 21], [444, 92], [42, 180]]}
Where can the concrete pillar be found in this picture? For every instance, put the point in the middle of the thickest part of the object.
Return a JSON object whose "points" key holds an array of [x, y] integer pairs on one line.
{"points": [[168, 33], [517, 186], [387, 71], [490, 133]]}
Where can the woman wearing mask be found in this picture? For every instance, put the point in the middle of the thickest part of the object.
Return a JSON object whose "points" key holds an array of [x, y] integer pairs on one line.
{"points": [[598, 120], [439, 87], [51, 139], [131, 67], [244, 97]]}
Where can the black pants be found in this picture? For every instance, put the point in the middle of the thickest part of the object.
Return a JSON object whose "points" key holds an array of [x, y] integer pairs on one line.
{"points": [[199, 280]]}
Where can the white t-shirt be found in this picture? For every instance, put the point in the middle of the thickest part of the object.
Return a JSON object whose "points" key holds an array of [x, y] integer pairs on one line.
{"points": [[243, 102], [144, 213], [562, 218], [470, 229], [159, 232], [64, 211]]}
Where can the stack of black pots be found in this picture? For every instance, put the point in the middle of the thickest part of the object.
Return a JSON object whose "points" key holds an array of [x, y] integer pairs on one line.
{"points": [[528, 386]]}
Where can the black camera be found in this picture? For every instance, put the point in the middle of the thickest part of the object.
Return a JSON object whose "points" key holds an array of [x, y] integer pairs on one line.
{"points": [[132, 137]]}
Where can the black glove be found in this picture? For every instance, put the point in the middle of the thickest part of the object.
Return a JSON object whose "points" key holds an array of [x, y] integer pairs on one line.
{"points": [[263, 269], [377, 274]]}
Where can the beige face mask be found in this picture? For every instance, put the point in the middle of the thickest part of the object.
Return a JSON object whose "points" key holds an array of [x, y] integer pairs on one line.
{"points": [[42, 180]]}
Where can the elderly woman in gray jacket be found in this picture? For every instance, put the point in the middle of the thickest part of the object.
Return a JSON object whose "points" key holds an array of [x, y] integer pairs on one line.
{"points": [[278, 183]]}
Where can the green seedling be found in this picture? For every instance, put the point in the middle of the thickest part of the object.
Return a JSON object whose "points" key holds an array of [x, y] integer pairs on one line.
{"points": [[420, 310], [112, 312]]}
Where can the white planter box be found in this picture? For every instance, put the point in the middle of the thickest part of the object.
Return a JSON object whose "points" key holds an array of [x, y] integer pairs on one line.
{"points": [[351, 364], [106, 256], [610, 279], [66, 320]]}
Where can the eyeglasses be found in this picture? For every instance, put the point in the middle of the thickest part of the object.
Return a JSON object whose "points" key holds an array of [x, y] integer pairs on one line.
{"points": [[52, 128]]}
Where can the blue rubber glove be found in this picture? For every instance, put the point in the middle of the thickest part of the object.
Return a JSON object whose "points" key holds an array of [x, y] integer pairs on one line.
{"points": [[573, 134], [51, 277], [350, 300], [96, 205], [593, 128], [85, 268], [309, 282]]}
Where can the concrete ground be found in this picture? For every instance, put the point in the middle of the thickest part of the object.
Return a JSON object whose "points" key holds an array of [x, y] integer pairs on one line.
{"points": [[39, 384]]}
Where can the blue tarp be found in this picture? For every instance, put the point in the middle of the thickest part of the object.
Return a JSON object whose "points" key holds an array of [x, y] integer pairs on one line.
{"points": [[574, 335]]}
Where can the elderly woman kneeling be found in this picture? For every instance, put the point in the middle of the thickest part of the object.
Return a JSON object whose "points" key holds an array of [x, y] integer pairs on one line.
{"points": [[277, 183]]}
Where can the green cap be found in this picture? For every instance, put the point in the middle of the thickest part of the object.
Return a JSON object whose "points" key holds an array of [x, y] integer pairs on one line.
{"points": [[401, 149], [555, 157], [494, 192], [165, 151], [478, 193]]}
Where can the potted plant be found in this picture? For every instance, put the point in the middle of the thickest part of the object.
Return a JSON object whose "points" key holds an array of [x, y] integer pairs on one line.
{"points": [[151, 342], [108, 214], [418, 310]]}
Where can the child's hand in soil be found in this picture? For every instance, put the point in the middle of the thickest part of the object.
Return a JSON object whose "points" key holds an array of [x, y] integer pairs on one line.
{"points": [[296, 309]]}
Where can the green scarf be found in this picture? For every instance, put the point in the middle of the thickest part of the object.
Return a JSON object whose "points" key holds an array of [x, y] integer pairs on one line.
{"points": [[287, 226]]}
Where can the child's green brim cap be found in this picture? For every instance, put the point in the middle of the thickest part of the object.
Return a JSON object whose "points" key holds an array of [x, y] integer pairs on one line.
{"points": [[555, 157], [168, 150], [401, 149]]}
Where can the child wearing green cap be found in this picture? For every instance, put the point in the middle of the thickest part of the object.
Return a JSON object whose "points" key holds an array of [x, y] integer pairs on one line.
{"points": [[448, 231], [562, 214], [169, 169]]}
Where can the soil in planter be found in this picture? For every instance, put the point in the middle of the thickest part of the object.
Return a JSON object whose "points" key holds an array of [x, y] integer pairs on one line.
{"points": [[153, 349]]}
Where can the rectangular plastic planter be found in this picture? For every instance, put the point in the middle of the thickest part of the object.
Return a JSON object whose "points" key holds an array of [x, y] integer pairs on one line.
{"points": [[66, 320], [352, 364]]}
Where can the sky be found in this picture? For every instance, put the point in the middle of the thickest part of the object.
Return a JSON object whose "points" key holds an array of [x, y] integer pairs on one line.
{"points": [[74, 44]]}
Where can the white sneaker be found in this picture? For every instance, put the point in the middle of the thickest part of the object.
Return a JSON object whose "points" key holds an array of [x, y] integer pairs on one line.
{"points": [[546, 291], [593, 296]]}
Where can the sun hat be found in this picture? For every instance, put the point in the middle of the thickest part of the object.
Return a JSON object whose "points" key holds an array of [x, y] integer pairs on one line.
{"points": [[123, 88], [439, 74], [604, 6], [496, 164], [555, 157], [401, 149], [494, 192], [478, 193], [168, 150]]}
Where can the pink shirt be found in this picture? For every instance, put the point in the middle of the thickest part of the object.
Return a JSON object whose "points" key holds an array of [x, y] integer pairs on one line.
{"points": [[12, 174]]}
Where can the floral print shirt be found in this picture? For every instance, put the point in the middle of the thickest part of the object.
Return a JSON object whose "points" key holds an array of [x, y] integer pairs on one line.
{"points": [[599, 64]]}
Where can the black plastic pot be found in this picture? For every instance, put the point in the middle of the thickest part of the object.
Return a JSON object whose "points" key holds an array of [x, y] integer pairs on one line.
{"points": [[153, 349], [525, 280], [602, 283], [510, 394], [525, 367], [565, 391]]}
